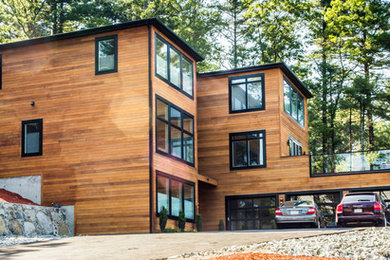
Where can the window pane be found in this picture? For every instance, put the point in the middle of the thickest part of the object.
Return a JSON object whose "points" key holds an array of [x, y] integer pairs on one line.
{"points": [[239, 137], [176, 142], [240, 155], [188, 123], [294, 108], [162, 109], [254, 152], [255, 95], [162, 193], [187, 76], [32, 138], [235, 81], [176, 197], [175, 117], [238, 97], [254, 79], [301, 110], [189, 201], [291, 147], [162, 136], [174, 63], [188, 143], [286, 93], [106, 55], [162, 58]]}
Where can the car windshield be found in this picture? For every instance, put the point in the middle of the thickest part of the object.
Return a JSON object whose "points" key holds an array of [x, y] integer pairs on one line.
{"points": [[360, 198], [298, 203]]}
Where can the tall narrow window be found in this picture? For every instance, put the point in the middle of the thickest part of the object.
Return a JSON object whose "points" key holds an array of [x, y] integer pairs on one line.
{"points": [[175, 194], [106, 54], [295, 147], [246, 93], [32, 137], [174, 131], [247, 150], [294, 104], [174, 67]]}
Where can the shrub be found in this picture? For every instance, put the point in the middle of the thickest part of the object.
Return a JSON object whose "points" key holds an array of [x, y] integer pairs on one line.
{"points": [[163, 218], [171, 230], [182, 221], [199, 222], [221, 226]]}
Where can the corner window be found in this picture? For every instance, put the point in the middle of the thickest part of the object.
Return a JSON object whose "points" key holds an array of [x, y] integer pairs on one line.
{"points": [[175, 195], [247, 150], [246, 93], [106, 54], [295, 147], [293, 103], [32, 137], [174, 131], [1, 71], [173, 67]]}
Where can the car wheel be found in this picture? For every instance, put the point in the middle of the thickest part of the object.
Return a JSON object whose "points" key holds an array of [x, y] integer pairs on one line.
{"points": [[340, 224], [382, 223], [279, 226]]}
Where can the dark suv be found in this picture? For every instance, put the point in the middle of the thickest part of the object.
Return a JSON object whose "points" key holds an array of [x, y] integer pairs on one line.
{"points": [[360, 207]]}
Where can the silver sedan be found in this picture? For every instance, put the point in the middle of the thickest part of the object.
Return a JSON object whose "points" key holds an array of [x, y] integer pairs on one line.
{"points": [[298, 211]]}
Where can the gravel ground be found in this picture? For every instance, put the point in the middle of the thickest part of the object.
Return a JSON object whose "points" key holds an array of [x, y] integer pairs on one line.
{"points": [[15, 240], [371, 243]]}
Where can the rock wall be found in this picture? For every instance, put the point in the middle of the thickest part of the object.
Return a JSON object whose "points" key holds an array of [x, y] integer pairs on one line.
{"points": [[28, 220]]}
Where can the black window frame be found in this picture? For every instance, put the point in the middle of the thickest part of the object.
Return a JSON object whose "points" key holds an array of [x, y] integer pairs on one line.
{"points": [[40, 124], [231, 135], [182, 56], [97, 40], [182, 130], [299, 95], [182, 181], [231, 111], [1, 71], [292, 142]]}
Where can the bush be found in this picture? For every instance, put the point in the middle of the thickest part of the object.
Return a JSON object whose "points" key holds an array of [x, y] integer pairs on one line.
{"points": [[199, 223], [182, 221], [171, 230], [162, 219], [221, 226]]}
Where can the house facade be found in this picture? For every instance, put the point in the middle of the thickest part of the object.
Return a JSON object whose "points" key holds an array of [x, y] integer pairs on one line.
{"points": [[117, 122]]}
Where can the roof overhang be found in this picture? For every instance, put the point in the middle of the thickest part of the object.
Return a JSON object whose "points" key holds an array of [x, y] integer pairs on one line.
{"points": [[281, 65], [110, 28]]}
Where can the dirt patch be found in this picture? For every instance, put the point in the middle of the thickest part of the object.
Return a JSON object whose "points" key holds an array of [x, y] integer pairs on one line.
{"points": [[11, 197]]}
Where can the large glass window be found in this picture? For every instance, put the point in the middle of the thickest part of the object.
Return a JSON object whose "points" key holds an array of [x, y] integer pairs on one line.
{"points": [[246, 93], [174, 131], [106, 54], [32, 137], [247, 150], [293, 103], [295, 147], [175, 195], [173, 67]]}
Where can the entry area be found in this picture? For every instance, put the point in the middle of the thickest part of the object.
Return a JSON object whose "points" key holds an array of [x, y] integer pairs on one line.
{"points": [[249, 213]]}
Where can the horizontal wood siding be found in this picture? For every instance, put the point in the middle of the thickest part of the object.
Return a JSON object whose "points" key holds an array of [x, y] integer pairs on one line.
{"points": [[282, 174], [161, 162], [95, 128]]}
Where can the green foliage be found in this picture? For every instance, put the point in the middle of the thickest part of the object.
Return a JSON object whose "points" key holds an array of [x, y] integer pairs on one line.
{"points": [[199, 223], [221, 225], [171, 230], [162, 219], [181, 221]]}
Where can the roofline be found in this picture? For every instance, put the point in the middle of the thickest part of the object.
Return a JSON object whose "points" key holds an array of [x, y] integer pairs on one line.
{"points": [[281, 65], [109, 28]]}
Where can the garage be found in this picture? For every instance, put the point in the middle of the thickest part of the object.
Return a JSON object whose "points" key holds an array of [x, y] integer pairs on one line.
{"points": [[249, 213]]}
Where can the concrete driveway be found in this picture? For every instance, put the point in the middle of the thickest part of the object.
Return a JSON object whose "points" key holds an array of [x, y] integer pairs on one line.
{"points": [[148, 246]]}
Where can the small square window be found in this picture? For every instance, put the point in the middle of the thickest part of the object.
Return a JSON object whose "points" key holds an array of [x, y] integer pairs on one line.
{"points": [[106, 54], [32, 137]]}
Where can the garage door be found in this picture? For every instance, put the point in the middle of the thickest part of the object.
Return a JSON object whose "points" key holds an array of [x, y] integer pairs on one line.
{"points": [[250, 213]]}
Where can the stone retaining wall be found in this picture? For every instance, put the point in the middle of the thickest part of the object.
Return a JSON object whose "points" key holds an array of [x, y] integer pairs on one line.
{"points": [[28, 220]]}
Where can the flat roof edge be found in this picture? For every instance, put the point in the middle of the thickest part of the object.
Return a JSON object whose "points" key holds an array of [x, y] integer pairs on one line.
{"points": [[280, 65], [109, 28]]}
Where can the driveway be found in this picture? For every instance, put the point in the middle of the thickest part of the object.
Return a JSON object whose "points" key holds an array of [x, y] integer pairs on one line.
{"points": [[148, 246]]}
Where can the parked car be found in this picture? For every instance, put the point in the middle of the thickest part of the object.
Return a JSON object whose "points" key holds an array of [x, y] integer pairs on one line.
{"points": [[298, 212], [361, 207]]}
